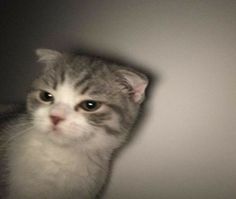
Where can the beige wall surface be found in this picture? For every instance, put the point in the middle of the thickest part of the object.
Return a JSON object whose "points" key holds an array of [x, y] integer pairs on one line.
{"points": [[185, 146]]}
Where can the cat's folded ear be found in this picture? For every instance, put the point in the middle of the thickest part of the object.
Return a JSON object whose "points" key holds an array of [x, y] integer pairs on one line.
{"points": [[134, 84], [47, 56]]}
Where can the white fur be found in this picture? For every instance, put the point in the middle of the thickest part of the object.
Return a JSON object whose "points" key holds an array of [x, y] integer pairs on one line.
{"points": [[61, 164], [40, 169]]}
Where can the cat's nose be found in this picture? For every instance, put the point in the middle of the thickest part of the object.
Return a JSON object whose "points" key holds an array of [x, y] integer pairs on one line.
{"points": [[56, 119]]}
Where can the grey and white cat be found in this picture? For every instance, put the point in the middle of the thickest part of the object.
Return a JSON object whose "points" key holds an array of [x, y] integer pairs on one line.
{"points": [[79, 111]]}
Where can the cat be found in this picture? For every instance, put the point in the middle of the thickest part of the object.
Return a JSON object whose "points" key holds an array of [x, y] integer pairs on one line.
{"points": [[79, 111]]}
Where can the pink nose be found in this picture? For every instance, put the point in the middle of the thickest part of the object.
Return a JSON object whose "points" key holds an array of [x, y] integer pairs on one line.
{"points": [[56, 119]]}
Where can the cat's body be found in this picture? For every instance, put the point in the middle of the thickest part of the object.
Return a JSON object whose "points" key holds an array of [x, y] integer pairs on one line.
{"points": [[51, 171], [78, 112]]}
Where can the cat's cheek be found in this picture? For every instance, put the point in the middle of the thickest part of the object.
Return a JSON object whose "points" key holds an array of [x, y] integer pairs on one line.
{"points": [[80, 133], [43, 126], [41, 119]]}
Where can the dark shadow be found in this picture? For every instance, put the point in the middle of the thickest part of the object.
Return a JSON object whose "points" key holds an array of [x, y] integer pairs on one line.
{"points": [[8, 113]]}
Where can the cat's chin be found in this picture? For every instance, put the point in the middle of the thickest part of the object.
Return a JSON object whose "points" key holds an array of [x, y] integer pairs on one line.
{"points": [[56, 130], [60, 140], [53, 134], [65, 133], [59, 137]]}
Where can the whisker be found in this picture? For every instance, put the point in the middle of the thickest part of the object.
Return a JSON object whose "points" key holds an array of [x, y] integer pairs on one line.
{"points": [[17, 135]]}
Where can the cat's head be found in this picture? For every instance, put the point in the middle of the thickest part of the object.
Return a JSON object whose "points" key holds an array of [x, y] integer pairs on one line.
{"points": [[81, 98]]}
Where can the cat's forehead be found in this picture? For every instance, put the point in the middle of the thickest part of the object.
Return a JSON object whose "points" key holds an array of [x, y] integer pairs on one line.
{"points": [[66, 93], [80, 72], [71, 81]]}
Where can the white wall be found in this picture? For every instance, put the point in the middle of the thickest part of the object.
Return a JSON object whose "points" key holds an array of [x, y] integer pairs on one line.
{"points": [[186, 145]]}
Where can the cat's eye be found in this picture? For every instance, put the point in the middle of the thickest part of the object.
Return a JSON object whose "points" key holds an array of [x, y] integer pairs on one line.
{"points": [[46, 97], [90, 105]]}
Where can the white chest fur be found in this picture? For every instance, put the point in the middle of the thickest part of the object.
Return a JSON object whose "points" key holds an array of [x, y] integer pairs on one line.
{"points": [[41, 169]]}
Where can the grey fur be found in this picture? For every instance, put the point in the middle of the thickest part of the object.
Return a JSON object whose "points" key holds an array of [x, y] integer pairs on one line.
{"points": [[119, 89]]}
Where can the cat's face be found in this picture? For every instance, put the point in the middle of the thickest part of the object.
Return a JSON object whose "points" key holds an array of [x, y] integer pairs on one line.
{"points": [[81, 99]]}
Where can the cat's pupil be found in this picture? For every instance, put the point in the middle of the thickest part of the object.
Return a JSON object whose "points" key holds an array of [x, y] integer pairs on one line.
{"points": [[90, 105], [46, 96]]}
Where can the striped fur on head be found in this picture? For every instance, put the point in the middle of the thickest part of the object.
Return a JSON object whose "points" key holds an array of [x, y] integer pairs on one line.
{"points": [[74, 80]]}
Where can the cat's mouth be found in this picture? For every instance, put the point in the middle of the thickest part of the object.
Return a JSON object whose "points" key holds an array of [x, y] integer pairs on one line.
{"points": [[56, 129]]}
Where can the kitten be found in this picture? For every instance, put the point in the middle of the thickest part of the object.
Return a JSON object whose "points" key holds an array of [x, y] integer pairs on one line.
{"points": [[78, 112]]}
